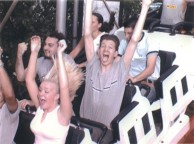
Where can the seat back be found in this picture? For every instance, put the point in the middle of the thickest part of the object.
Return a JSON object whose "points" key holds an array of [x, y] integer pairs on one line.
{"points": [[174, 89], [78, 99], [75, 135], [120, 33], [129, 92], [166, 60], [96, 130], [189, 12], [135, 123], [176, 93], [24, 135]]}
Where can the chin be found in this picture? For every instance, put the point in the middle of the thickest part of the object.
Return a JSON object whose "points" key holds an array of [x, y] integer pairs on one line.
{"points": [[47, 54], [44, 107]]}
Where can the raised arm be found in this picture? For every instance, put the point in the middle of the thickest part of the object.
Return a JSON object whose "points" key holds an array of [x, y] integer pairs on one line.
{"points": [[137, 33], [77, 49], [19, 66], [65, 101], [7, 89], [31, 70], [89, 47]]}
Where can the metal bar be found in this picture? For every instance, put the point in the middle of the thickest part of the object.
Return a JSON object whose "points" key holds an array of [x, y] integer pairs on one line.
{"points": [[75, 22], [61, 16]]}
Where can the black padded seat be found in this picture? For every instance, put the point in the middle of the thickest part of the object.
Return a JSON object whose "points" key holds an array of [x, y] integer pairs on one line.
{"points": [[118, 118], [166, 60], [97, 130], [24, 135], [75, 135]]}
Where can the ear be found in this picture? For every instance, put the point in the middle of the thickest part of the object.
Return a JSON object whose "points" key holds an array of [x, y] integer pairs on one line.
{"points": [[116, 54], [99, 25], [57, 97]]}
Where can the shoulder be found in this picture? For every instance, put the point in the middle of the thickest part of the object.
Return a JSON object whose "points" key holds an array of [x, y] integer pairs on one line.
{"points": [[68, 58], [5, 110]]}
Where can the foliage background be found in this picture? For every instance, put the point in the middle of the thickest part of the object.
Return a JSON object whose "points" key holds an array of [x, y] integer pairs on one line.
{"points": [[29, 19]]}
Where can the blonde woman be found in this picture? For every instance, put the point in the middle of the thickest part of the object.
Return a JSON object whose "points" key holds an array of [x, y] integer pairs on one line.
{"points": [[51, 122]]}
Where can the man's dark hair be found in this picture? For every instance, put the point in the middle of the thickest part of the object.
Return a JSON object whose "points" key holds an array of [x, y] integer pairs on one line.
{"points": [[130, 22], [56, 35], [110, 37]]}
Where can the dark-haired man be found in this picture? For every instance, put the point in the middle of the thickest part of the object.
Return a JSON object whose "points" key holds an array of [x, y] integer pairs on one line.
{"points": [[45, 62], [145, 64]]}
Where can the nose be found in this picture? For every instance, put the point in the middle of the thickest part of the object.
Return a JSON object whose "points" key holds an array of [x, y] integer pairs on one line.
{"points": [[106, 48], [45, 47]]}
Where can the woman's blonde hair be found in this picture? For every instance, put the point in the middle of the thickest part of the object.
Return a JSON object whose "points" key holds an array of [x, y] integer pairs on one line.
{"points": [[74, 74]]}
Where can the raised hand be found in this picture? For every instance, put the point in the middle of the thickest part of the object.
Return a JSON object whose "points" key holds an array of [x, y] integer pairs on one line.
{"points": [[147, 2], [35, 43], [62, 46], [22, 48]]}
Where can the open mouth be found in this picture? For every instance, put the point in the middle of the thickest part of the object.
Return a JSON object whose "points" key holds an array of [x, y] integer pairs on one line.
{"points": [[105, 57], [47, 53], [42, 100]]}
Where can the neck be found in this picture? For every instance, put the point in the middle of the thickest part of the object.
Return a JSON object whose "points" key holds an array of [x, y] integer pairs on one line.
{"points": [[96, 34], [105, 68]]}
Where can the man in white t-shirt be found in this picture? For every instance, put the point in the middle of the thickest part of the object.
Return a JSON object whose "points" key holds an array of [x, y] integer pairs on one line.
{"points": [[145, 64]]}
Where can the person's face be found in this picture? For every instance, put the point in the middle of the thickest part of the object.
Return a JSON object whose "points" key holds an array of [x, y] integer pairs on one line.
{"points": [[50, 46], [107, 52], [47, 95], [128, 33], [95, 24]]}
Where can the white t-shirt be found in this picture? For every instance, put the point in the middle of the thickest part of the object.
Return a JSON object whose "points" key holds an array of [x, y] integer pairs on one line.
{"points": [[139, 60]]}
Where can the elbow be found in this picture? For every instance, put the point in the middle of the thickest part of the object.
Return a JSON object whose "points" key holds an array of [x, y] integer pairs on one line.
{"points": [[28, 79], [135, 39]]}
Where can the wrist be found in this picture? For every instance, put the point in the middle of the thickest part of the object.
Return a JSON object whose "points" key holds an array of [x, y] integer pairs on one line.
{"points": [[146, 6]]}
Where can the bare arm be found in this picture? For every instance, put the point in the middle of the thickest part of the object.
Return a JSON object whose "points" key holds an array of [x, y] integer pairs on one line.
{"points": [[65, 112], [137, 33], [7, 89], [19, 67], [89, 47], [78, 48], [148, 71], [31, 70]]}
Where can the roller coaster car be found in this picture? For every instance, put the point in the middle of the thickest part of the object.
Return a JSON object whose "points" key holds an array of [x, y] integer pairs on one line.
{"points": [[153, 22], [174, 90], [135, 124]]}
